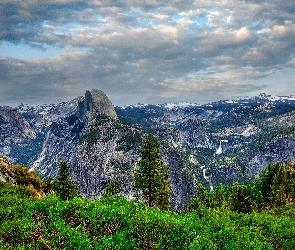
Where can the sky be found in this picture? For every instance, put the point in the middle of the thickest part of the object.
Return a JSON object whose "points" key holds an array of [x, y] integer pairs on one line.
{"points": [[145, 51]]}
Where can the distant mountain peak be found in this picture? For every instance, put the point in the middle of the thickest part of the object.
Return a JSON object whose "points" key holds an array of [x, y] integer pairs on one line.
{"points": [[96, 101]]}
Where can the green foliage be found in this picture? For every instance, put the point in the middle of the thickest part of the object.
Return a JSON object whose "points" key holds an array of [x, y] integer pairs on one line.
{"points": [[152, 176], [275, 185], [202, 198], [115, 223], [91, 137], [219, 197], [240, 198], [131, 140], [215, 199], [48, 185], [63, 185], [112, 188], [273, 188], [7, 189]]}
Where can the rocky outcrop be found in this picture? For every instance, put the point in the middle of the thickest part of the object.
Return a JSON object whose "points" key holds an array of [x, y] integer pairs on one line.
{"points": [[277, 150], [181, 178], [7, 174], [97, 102]]}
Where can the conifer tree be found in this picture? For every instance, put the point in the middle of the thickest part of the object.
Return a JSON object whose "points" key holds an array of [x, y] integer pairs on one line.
{"points": [[202, 198], [112, 188], [218, 198], [63, 185], [240, 198], [152, 176], [279, 186]]}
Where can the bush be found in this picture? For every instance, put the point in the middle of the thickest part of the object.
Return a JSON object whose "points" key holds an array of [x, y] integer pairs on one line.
{"points": [[115, 223]]}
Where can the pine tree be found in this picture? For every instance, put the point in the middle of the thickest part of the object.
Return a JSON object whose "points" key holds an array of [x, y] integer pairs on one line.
{"points": [[112, 188], [202, 198], [202, 194], [152, 176], [63, 185], [240, 198], [218, 198], [279, 186]]}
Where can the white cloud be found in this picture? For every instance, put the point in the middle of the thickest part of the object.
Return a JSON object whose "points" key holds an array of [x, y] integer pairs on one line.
{"points": [[131, 42]]}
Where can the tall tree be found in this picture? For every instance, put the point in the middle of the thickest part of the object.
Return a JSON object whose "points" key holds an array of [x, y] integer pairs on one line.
{"points": [[152, 176], [240, 198], [63, 185], [218, 197]]}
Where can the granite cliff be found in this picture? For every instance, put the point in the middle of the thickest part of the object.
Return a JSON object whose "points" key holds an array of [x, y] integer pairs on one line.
{"points": [[99, 148]]}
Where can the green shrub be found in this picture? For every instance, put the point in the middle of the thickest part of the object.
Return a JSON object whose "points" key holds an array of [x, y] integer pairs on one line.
{"points": [[115, 223]]}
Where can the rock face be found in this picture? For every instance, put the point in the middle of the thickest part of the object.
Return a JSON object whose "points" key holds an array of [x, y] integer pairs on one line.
{"points": [[6, 172], [16, 135], [181, 178], [97, 102], [277, 150], [13, 127], [99, 149]]}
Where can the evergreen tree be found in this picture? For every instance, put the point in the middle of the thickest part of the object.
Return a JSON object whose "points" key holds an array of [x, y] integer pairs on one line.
{"points": [[263, 185], [202, 198], [202, 194], [240, 198], [63, 185], [48, 188], [291, 181], [279, 186], [112, 188], [152, 176], [218, 197], [274, 187]]}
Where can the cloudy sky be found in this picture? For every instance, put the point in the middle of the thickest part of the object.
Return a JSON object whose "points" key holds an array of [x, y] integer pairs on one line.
{"points": [[145, 51]]}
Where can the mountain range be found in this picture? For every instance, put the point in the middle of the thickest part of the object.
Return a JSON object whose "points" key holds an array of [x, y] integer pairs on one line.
{"points": [[219, 142]]}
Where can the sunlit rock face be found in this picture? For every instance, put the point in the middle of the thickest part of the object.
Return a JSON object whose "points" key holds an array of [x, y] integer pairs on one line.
{"points": [[97, 102]]}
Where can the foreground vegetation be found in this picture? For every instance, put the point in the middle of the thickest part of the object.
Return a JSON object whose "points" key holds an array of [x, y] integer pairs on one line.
{"points": [[115, 223], [260, 215]]}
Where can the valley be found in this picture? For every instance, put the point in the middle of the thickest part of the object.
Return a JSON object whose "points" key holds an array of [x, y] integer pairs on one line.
{"points": [[220, 142]]}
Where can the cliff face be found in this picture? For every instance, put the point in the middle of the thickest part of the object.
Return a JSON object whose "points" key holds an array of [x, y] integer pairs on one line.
{"points": [[16, 135], [13, 127], [97, 102], [99, 149], [277, 150]]}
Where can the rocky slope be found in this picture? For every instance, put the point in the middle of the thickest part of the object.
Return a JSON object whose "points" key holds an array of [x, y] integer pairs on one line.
{"points": [[97, 146], [13, 127], [225, 141]]}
